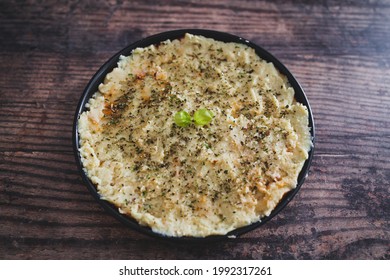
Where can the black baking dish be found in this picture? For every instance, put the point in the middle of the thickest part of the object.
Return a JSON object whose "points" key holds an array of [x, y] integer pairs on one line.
{"points": [[107, 67]]}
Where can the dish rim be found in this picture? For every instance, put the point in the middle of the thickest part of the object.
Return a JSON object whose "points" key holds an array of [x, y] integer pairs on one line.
{"points": [[111, 63]]}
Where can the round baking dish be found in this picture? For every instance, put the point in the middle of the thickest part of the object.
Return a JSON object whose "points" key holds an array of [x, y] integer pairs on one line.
{"points": [[98, 78]]}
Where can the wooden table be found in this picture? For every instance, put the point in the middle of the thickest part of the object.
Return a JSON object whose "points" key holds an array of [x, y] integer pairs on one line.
{"points": [[340, 52]]}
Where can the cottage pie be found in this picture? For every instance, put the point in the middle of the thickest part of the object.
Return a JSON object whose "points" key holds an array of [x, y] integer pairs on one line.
{"points": [[194, 137]]}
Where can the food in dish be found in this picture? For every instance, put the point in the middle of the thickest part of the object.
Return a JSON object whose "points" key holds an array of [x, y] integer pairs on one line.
{"points": [[194, 137]]}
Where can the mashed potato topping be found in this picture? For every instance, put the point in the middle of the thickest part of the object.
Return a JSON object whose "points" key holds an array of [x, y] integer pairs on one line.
{"points": [[194, 180]]}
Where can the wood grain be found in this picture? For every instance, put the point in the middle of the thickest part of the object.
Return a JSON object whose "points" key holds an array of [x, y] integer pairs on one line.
{"points": [[340, 53]]}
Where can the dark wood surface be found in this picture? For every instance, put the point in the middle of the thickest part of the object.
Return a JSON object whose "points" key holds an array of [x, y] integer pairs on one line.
{"points": [[338, 50]]}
